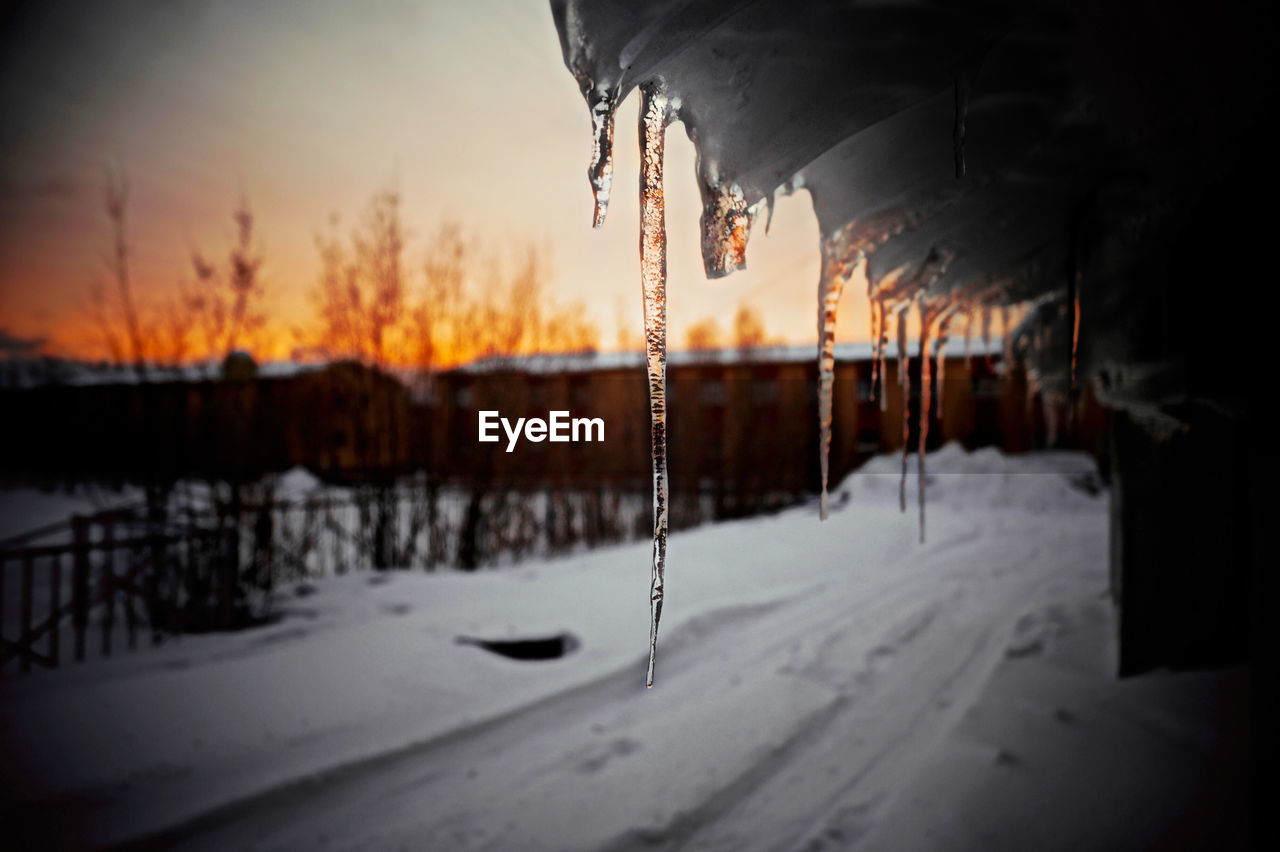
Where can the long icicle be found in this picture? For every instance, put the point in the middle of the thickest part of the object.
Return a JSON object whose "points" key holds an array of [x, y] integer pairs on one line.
{"points": [[926, 376], [602, 103], [1006, 337], [986, 333], [968, 339], [884, 343], [940, 350], [830, 288], [831, 285], [654, 116], [904, 379]]}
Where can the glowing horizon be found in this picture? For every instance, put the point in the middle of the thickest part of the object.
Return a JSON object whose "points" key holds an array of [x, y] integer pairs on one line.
{"points": [[308, 110]]}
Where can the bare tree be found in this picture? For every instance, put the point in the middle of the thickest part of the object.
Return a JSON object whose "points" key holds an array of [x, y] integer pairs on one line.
{"points": [[116, 198], [748, 328], [473, 306], [703, 335], [228, 308], [337, 296], [437, 318], [379, 252], [175, 329], [243, 267], [361, 294]]}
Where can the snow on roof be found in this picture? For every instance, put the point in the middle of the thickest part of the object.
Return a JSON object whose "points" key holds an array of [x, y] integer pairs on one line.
{"points": [[589, 361], [17, 373], [40, 372]]}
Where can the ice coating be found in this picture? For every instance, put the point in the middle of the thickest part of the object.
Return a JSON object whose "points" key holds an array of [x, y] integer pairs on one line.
{"points": [[726, 227], [654, 116], [853, 103], [602, 102], [1004, 331], [944, 333], [836, 269], [882, 343]]}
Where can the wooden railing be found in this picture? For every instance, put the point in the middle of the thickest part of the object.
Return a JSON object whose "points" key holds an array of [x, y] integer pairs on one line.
{"points": [[160, 581], [110, 578]]}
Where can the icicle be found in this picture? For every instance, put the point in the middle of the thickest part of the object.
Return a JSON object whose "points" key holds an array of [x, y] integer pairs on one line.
{"points": [[944, 330], [1005, 334], [602, 103], [962, 111], [968, 339], [726, 226], [768, 219], [905, 381], [875, 345], [986, 332], [884, 344], [926, 318], [830, 288], [654, 116], [1075, 344]]}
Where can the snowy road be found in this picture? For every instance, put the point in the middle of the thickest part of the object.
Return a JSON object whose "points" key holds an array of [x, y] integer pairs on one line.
{"points": [[806, 676]]}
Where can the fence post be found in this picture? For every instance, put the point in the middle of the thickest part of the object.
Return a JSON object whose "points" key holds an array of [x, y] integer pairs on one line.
{"points": [[158, 564], [230, 567], [80, 582]]}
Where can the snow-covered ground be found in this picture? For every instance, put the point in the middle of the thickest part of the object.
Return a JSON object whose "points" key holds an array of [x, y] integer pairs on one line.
{"points": [[819, 686], [30, 510]]}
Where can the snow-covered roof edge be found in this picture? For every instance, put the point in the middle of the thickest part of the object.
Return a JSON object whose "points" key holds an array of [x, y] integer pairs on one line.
{"points": [[589, 361]]}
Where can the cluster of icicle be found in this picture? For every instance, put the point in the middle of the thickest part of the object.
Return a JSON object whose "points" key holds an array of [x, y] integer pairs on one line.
{"points": [[891, 298], [726, 227]]}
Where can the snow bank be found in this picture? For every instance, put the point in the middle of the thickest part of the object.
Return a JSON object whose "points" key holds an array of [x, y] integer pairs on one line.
{"points": [[1052, 481], [25, 510]]}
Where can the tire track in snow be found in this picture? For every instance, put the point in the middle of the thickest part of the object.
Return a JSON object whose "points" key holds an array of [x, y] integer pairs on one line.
{"points": [[312, 799], [747, 815], [445, 791], [619, 682]]}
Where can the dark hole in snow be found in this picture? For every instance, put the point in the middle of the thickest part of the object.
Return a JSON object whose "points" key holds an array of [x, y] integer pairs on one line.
{"points": [[544, 648], [1089, 482]]}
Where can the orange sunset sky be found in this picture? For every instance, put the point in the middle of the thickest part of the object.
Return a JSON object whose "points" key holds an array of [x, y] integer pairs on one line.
{"points": [[310, 108]]}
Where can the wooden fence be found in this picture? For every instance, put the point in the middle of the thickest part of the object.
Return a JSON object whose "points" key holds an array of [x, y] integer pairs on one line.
{"points": [[157, 581], [115, 576]]}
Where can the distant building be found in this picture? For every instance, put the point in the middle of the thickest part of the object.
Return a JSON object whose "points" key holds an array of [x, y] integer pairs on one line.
{"points": [[741, 422], [738, 421]]}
